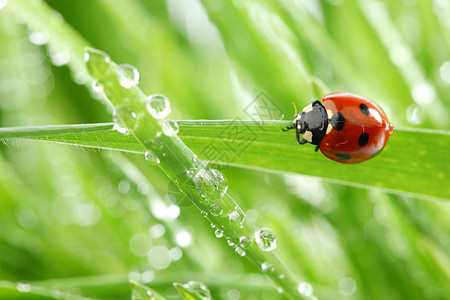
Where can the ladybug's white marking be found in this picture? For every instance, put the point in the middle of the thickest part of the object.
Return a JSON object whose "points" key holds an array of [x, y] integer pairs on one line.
{"points": [[329, 127], [329, 114], [308, 136], [308, 108]]}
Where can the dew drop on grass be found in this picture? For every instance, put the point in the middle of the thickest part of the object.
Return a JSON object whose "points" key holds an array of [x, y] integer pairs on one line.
{"points": [[198, 290], [132, 76], [218, 233], [267, 267], [211, 183], [118, 124], [158, 106], [170, 127], [240, 251], [245, 242], [97, 87], [305, 289], [204, 213], [265, 239], [151, 158], [230, 242], [39, 38], [23, 287], [236, 216], [216, 210]]}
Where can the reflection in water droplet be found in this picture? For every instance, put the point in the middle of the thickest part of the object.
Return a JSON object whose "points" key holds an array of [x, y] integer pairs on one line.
{"points": [[151, 157], [267, 267], [245, 242], [158, 106], [305, 289], [240, 251], [132, 76], [216, 209], [265, 239], [170, 127], [218, 233], [198, 290]]}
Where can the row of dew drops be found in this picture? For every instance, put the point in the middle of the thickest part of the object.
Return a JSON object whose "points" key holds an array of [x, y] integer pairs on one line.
{"points": [[211, 183]]}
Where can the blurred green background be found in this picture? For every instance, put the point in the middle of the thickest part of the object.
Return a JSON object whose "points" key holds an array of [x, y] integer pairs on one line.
{"points": [[82, 222]]}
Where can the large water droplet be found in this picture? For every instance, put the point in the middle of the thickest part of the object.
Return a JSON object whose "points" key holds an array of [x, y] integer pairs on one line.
{"points": [[132, 76], [267, 267], [216, 210], [240, 251], [123, 114], [265, 239], [197, 290], [211, 183], [158, 106], [236, 216], [218, 233], [245, 242], [305, 289], [170, 127], [151, 157]]}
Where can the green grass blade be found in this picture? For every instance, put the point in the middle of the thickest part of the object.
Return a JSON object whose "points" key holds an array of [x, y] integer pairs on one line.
{"points": [[400, 168]]}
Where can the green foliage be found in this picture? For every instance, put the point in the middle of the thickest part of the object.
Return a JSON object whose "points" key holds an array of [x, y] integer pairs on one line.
{"points": [[80, 224]]}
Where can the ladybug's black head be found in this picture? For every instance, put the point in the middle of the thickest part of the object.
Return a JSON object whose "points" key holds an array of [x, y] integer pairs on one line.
{"points": [[312, 123]]}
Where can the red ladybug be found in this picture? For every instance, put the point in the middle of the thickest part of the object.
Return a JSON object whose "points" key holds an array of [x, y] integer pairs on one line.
{"points": [[347, 128]]}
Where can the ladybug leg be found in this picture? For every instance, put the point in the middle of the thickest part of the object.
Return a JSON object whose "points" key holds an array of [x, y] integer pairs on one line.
{"points": [[287, 128]]}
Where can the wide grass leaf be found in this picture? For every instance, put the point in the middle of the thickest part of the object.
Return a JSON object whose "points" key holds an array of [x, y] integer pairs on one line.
{"points": [[413, 163]]}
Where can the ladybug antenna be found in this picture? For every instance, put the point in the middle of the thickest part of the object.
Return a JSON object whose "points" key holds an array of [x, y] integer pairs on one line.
{"points": [[287, 128], [295, 107]]}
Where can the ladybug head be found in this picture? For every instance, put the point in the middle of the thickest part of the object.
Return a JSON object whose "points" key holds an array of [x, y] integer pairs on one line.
{"points": [[311, 123]]}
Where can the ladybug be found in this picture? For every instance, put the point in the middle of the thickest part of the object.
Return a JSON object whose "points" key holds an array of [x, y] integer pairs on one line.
{"points": [[347, 128]]}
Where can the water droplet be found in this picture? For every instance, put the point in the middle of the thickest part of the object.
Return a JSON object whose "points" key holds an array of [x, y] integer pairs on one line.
{"points": [[280, 290], [39, 38], [444, 70], [236, 216], [158, 106], [347, 286], [3, 3], [151, 157], [97, 87], [210, 183], [218, 233], [281, 276], [240, 251], [230, 242], [198, 290], [265, 239], [267, 267], [216, 210], [204, 213], [23, 287], [118, 124], [305, 289], [132, 76], [170, 127], [414, 114], [60, 58], [245, 242]]}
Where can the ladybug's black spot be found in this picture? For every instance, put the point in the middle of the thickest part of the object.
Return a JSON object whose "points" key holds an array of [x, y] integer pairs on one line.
{"points": [[378, 152], [364, 109], [363, 139], [343, 156], [337, 121]]}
